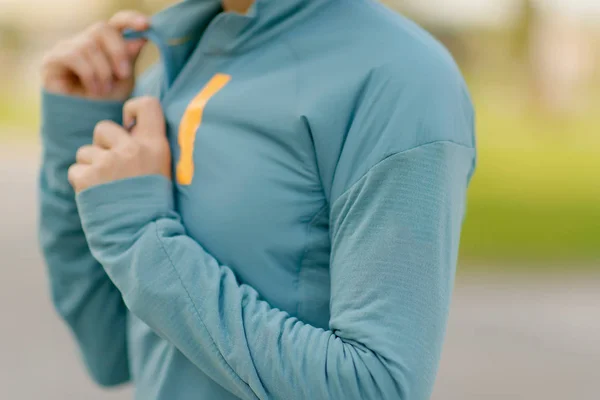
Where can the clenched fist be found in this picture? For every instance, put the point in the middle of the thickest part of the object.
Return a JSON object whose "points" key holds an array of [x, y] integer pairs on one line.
{"points": [[97, 63], [118, 154]]}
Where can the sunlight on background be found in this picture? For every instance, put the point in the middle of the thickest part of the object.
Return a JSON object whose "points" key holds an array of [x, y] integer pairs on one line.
{"points": [[534, 204]]}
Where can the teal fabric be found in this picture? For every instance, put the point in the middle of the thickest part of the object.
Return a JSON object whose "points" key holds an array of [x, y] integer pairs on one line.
{"points": [[313, 255]]}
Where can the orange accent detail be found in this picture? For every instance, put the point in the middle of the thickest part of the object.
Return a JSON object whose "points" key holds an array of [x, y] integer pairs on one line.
{"points": [[190, 122]]}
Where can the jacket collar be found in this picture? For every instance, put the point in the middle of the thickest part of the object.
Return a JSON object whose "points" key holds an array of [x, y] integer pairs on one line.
{"points": [[184, 23]]}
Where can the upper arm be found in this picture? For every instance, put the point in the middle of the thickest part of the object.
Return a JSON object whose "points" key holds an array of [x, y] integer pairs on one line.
{"points": [[395, 237], [397, 203]]}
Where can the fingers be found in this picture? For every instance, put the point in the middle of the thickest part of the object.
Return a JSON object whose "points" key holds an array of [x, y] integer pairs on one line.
{"points": [[108, 135], [76, 175], [129, 19], [97, 60], [122, 54], [113, 48], [79, 65], [89, 154], [102, 69], [105, 46], [147, 114]]}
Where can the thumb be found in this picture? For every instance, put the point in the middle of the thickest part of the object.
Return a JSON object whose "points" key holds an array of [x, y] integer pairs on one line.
{"points": [[147, 115], [129, 20], [131, 23]]}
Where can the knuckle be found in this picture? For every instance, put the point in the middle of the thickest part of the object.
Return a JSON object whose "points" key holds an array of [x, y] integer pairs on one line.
{"points": [[152, 100], [129, 103], [100, 129], [105, 163], [103, 125], [104, 73], [89, 45], [85, 74], [57, 52], [160, 144], [98, 27], [73, 173], [159, 149], [119, 51], [86, 41], [148, 101], [119, 14], [110, 156], [48, 59], [82, 69], [73, 50], [130, 150]]}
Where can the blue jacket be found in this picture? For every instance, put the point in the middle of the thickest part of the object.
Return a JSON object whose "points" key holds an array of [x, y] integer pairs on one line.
{"points": [[306, 246]]}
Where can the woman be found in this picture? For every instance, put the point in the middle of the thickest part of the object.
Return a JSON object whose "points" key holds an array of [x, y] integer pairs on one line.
{"points": [[280, 216]]}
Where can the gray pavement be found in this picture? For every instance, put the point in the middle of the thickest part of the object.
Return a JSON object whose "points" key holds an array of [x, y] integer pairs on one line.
{"points": [[509, 337]]}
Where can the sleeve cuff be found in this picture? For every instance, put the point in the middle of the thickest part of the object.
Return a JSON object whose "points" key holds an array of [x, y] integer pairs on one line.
{"points": [[123, 207], [68, 118]]}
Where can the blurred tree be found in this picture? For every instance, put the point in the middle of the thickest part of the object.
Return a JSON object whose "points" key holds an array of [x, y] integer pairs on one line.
{"points": [[12, 36], [13, 40], [523, 30]]}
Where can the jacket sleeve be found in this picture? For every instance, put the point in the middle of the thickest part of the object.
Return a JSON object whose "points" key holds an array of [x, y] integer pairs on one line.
{"points": [[82, 293], [397, 201], [395, 236]]}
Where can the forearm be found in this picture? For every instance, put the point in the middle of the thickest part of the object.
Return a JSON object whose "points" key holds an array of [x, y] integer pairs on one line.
{"points": [[82, 293]]}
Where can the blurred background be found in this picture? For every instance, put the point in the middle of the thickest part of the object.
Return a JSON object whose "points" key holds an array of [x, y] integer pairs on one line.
{"points": [[525, 319]]}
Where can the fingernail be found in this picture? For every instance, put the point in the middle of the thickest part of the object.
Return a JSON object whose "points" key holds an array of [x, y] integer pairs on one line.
{"points": [[125, 69], [141, 20]]}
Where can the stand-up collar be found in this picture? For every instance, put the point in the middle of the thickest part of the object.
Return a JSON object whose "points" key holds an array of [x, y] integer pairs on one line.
{"points": [[226, 32]]}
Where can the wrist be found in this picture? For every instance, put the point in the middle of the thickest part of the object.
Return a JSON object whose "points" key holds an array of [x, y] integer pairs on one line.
{"points": [[123, 207], [69, 121]]}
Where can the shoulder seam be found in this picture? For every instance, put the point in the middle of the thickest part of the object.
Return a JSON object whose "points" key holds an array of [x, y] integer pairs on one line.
{"points": [[395, 153]]}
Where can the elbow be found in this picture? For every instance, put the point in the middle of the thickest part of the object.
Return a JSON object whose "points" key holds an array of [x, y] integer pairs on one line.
{"points": [[398, 388], [107, 378], [387, 384], [102, 345], [366, 375], [404, 384], [106, 370], [402, 378]]}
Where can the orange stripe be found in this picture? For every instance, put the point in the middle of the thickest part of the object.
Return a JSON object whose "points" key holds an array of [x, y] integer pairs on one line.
{"points": [[190, 122]]}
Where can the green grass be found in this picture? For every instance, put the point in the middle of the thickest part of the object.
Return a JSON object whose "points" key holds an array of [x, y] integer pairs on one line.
{"points": [[18, 113], [535, 198]]}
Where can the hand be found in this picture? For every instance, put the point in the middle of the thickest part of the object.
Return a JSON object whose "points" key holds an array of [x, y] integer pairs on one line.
{"points": [[97, 63], [118, 154]]}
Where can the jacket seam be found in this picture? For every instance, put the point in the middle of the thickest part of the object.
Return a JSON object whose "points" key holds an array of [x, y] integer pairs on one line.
{"points": [[305, 251], [213, 344], [392, 154]]}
